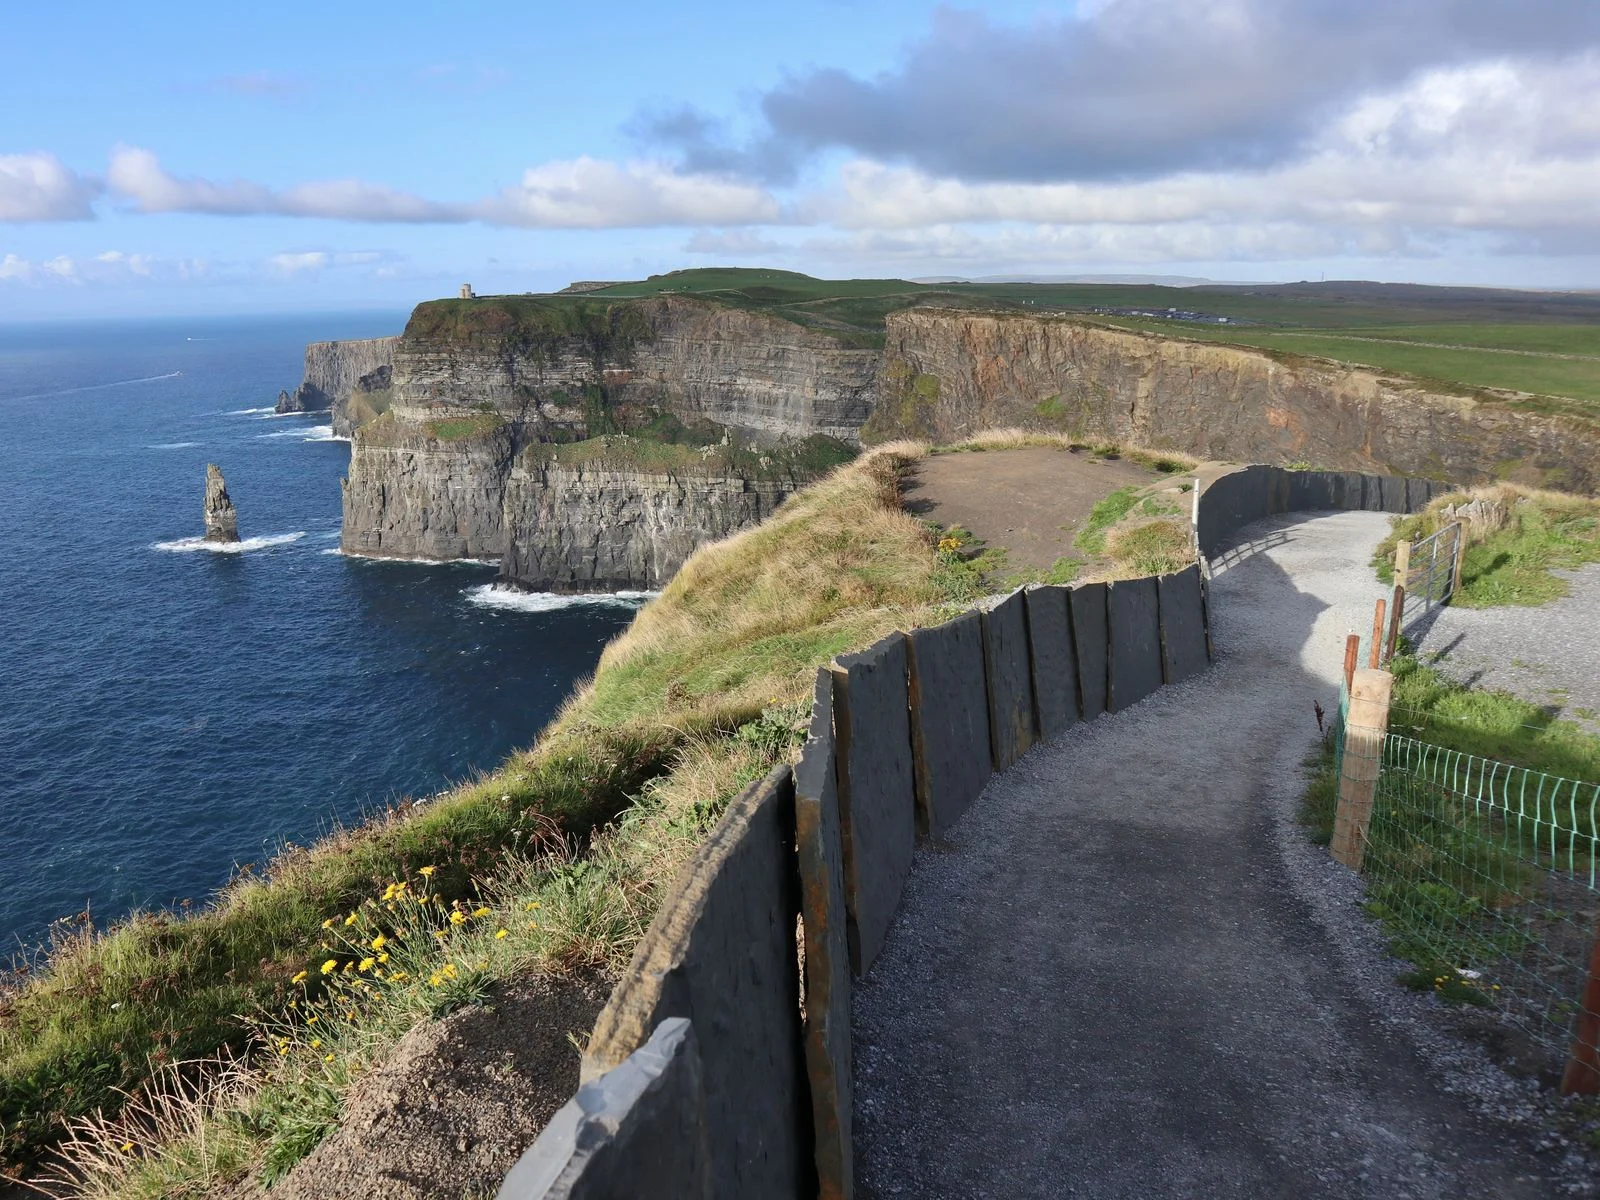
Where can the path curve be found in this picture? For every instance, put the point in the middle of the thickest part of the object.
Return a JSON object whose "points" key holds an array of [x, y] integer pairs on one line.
{"points": [[1108, 980]]}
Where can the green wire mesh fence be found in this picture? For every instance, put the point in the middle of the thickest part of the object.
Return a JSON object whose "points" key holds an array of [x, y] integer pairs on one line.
{"points": [[1487, 877]]}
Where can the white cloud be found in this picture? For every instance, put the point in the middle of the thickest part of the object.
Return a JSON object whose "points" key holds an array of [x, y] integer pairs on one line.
{"points": [[1498, 148], [295, 264], [588, 193], [40, 187], [583, 193], [13, 267]]}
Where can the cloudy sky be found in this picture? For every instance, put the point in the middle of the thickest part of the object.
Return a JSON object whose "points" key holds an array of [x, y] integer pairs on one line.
{"points": [[175, 158]]}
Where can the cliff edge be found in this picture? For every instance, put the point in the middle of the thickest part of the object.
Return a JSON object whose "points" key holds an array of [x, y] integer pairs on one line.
{"points": [[334, 370]]}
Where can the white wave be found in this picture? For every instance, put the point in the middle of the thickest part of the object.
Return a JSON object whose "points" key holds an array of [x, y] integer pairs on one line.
{"points": [[95, 387], [172, 445], [247, 412], [239, 547], [491, 595], [415, 562], [306, 433]]}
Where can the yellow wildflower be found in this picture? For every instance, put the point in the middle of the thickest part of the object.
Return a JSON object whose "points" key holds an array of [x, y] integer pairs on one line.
{"points": [[327, 1058], [366, 963], [425, 872], [316, 1043], [127, 1146], [351, 919], [300, 977], [458, 918], [329, 967], [328, 924], [531, 906], [434, 980], [311, 1020], [384, 957], [480, 912], [499, 933], [449, 971], [379, 942]]}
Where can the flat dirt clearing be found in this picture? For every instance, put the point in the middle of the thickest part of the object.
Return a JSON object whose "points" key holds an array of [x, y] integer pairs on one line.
{"points": [[1031, 501]]}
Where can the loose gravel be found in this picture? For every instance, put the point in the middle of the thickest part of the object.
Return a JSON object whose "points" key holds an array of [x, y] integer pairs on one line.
{"points": [[1126, 973], [1549, 656]]}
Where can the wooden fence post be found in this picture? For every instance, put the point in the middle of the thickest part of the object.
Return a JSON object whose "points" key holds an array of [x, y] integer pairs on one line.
{"points": [[1461, 553], [1394, 620], [1402, 563], [1352, 656], [1375, 650], [1364, 730], [1582, 1076]]}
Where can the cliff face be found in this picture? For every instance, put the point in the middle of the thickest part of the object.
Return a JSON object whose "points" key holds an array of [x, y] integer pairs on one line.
{"points": [[700, 361], [427, 490], [598, 527], [333, 370], [603, 521], [947, 374]]}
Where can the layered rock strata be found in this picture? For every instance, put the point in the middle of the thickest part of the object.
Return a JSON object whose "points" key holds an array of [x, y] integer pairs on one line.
{"points": [[455, 489], [333, 371], [742, 370], [222, 520], [948, 374]]}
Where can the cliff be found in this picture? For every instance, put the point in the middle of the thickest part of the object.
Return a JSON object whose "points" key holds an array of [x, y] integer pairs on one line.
{"points": [[946, 374], [335, 369], [609, 514], [581, 367]]}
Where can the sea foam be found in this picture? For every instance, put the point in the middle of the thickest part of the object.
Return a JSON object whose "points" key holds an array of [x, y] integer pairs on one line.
{"points": [[256, 543], [491, 595]]}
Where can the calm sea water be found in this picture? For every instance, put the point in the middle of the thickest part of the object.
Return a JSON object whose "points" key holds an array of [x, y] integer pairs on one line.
{"points": [[168, 712]]}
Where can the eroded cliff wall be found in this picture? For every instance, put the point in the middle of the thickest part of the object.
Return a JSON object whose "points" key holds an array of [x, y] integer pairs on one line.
{"points": [[612, 527], [333, 371], [949, 374], [701, 361]]}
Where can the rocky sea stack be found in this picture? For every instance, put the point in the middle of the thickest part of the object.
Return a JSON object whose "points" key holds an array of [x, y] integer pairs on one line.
{"points": [[222, 522]]}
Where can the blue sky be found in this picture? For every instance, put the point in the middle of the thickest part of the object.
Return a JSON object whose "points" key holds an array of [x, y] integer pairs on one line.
{"points": [[176, 158]]}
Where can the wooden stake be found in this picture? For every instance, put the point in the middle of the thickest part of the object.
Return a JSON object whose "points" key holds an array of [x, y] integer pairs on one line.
{"points": [[1352, 656], [1375, 653], [1582, 1076], [1402, 563], [1461, 553], [1364, 730], [1399, 607]]}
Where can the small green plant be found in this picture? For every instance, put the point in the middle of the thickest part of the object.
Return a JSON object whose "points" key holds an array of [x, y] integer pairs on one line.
{"points": [[1107, 512]]}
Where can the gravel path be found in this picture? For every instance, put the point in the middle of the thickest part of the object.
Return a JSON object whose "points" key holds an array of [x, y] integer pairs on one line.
{"points": [[1126, 974], [1550, 655]]}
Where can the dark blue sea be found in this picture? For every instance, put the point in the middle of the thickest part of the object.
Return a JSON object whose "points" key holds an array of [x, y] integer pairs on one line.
{"points": [[167, 712]]}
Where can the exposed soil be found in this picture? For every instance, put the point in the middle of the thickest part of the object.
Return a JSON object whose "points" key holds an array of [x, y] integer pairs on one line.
{"points": [[458, 1101], [1032, 501]]}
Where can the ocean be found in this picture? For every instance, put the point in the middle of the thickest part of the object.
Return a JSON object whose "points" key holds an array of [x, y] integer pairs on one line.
{"points": [[169, 713]]}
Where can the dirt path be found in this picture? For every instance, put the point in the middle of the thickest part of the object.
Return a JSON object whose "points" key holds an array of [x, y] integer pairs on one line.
{"points": [[1031, 501], [1126, 974]]}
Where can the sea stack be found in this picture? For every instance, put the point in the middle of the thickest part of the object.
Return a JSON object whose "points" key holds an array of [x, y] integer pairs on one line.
{"points": [[222, 522]]}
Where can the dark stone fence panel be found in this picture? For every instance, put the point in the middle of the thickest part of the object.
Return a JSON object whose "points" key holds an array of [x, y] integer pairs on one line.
{"points": [[949, 719], [1009, 666], [1092, 641], [1055, 660], [1133, 611], [877, 789], [1252, 493]]}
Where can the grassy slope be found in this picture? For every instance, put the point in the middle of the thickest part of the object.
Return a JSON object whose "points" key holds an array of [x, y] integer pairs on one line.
{"points": [[672, 723]]}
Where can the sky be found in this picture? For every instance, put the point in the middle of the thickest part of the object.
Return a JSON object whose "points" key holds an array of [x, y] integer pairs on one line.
{"points": [[183, 158]]}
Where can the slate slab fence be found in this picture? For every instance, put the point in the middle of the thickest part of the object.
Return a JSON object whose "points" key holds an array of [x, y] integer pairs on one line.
{"points": [[721, 1065]]}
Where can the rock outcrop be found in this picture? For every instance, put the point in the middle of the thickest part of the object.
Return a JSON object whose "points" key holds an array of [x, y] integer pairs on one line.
{"points": [[946, 374], [222, 521], [333, 371]]}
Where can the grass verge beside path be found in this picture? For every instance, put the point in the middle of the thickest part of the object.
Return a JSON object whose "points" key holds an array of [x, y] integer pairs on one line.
{"points": [[701, 695], [1516, 537]]}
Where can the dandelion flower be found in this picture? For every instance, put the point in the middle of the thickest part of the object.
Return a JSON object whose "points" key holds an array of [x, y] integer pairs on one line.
{"points": [[311, 1020], [328, 924], [499, 933], [480, 912], [316, 1043], [327, 1058], [434, 980], [379, 942], [367, 963], [127, 1146], [329, 967], [384, 957], [531, 906], [426, 872], [449, 971], [299, 978], [458, 918], [351, 919]]}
